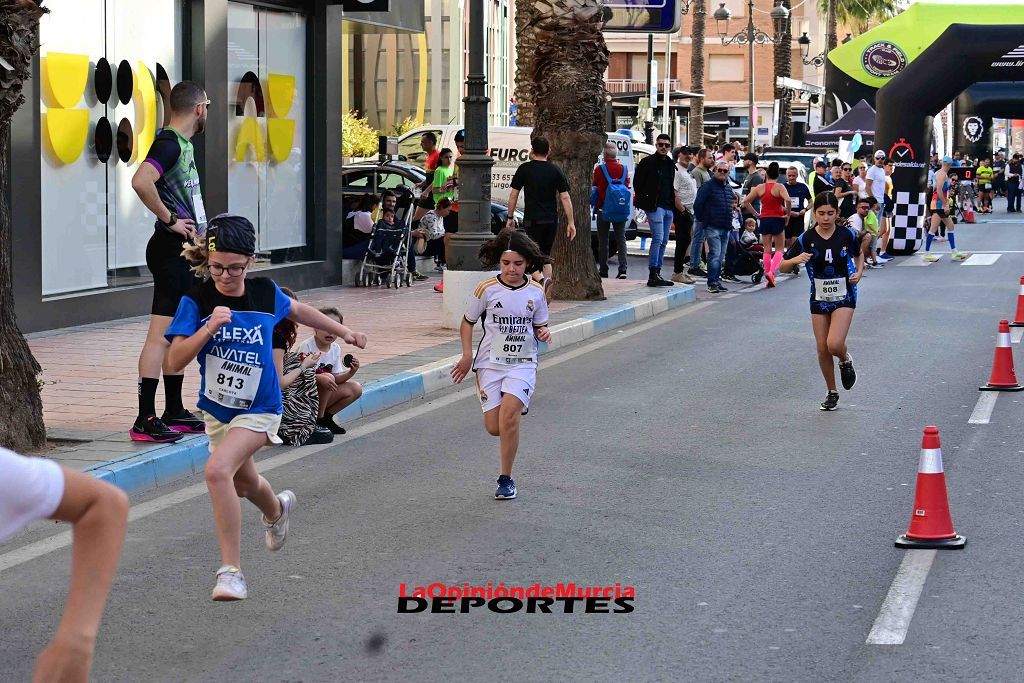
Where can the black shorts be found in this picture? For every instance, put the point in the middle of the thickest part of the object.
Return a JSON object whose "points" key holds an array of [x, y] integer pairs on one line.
{"points": [[772, 226], [172, 277], [543, 233], [795, 226]]}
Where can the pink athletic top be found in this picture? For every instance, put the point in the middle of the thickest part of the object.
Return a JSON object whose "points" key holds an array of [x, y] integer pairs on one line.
{"points": [[772, 206]]}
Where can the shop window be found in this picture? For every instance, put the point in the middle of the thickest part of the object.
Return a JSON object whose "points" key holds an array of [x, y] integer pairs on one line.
{"points": [[267, 153], [106, 66]]}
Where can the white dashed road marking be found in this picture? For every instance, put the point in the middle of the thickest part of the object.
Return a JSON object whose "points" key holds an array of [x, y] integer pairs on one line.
{"points": [[1015, 334], [890, 628], [983, 408], [981, 259]]}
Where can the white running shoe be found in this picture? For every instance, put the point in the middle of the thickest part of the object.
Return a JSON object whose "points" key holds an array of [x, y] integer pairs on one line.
{"points": [[277, 532], [230, 584]]}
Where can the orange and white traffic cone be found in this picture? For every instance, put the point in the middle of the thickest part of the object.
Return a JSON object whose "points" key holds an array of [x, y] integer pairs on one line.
{"points": [[1003, 377], [1018, 319], [931, 525]]}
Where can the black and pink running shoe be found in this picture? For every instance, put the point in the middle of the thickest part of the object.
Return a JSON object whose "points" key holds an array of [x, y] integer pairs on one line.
{"points": [[184, 422], [153, 429]]}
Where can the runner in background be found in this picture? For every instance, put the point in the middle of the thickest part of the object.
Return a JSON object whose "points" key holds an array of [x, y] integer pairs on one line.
{"points": [[986, 180], [167, 182], [36, 488], [228, 323], [515, 317], [773, 214], [834, 265], [940, 215]]}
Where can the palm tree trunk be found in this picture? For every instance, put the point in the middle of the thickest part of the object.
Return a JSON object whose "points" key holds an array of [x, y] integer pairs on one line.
{"points": [[695, 131], [831, 28], [526, 51], [784, 68], [568, 80], [21, 420]]}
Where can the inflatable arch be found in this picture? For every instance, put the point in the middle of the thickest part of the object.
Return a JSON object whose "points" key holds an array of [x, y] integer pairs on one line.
{"points": [[911, 67]]}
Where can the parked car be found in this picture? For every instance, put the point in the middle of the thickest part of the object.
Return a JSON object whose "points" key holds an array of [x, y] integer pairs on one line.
{"points": [[375, 177]]}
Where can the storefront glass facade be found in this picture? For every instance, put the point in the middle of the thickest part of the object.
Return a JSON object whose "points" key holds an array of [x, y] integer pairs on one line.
{"points": [[103, 65]]}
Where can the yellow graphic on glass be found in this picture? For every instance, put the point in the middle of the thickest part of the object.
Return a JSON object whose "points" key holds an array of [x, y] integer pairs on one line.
{"points": [[145, 111], [66, 133], [282, 134], [64, 78], [250, 136], [281, 92]]}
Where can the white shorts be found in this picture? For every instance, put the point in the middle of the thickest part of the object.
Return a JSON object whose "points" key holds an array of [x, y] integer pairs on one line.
{"points": [[493, 383], [254, 422], [30, 489]]}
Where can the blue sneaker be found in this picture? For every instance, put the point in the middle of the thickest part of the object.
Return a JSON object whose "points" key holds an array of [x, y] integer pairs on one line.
{"points": [[506, 488]]}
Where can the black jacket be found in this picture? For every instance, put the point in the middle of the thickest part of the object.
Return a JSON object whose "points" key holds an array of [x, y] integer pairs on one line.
{"points": [[647, 183]]}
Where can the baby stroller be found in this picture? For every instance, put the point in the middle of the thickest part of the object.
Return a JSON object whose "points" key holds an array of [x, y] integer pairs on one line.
{"points": [[748, 261], [386, 260]]}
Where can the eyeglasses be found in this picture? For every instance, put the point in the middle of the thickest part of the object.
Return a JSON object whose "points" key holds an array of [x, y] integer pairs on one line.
{"points": [[207, 103], [233, 270], [721, 170], [847, 168], [664, 144]]}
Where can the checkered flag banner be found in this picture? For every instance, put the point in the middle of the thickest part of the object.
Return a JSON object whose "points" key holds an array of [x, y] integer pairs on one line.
{"points": [[908, 225]]}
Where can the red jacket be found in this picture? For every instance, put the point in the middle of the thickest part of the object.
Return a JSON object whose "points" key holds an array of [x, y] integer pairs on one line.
{"points": [[615, 170]]}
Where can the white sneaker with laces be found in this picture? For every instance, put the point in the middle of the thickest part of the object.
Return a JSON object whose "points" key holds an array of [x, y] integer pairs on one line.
{"points": [[230, 584], [277, 532]]}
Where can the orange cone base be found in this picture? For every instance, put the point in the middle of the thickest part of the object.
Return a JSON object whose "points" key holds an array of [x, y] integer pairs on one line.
{"points": [[1001, 387], [955, 543]]}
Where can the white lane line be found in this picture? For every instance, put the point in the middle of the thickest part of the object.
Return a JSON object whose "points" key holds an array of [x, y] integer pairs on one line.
{"points": [[1015, 334], [981, 259], [983, 408], [890, 628], [918, 260], [47, 545]]}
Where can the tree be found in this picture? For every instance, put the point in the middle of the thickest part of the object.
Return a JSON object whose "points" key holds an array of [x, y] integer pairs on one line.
{"points": [[568, 80], [696, 128], [21, 420], [856, 14], [784, 68], [527, 16]]}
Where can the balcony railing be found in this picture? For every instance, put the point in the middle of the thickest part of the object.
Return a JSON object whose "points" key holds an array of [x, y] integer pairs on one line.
{"points": [[628, 85]]}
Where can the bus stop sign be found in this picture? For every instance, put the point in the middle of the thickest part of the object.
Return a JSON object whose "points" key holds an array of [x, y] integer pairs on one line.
{"points": [[642, 16]]}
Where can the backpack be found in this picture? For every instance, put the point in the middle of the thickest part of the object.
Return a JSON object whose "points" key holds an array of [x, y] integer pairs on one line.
{"points": [[618, 199]]}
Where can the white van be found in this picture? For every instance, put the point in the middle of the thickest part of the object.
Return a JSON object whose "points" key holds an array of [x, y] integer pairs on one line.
{"points": [[509, 147]]}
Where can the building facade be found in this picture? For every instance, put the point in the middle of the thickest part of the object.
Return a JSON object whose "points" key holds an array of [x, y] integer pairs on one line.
{"points": [[726, 70], [97, 96], [394, 75]]}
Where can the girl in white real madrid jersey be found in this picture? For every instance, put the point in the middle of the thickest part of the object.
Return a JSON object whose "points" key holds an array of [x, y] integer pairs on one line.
{"points": [[514, 315]]}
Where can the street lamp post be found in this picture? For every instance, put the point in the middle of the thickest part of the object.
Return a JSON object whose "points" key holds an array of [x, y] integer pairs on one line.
{"points": [[475, 164], [748, 37]]}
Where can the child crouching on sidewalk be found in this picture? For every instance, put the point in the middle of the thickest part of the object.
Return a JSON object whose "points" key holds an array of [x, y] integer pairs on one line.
{"points": [[333, 375], [227, 322]]}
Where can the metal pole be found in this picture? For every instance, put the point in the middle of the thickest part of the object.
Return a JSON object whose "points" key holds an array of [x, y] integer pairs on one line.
{"points": [[750, 65], [475, 164], [665, 128], [648, 124]]}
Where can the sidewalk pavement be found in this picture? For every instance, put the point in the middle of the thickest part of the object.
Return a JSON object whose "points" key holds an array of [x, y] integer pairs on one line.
{"points": [[89, 372]]}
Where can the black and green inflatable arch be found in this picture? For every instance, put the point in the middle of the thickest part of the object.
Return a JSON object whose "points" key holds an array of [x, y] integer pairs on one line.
{"points": [[910, 68]]}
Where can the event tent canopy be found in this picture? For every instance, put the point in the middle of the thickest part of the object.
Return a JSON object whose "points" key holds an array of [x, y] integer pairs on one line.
{"points": [[860, 119]]}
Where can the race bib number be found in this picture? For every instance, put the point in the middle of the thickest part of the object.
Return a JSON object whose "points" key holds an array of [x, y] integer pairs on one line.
{"points": [[511, 349], [197, 204], [232, 385], [987, 186], [831, 289]]}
